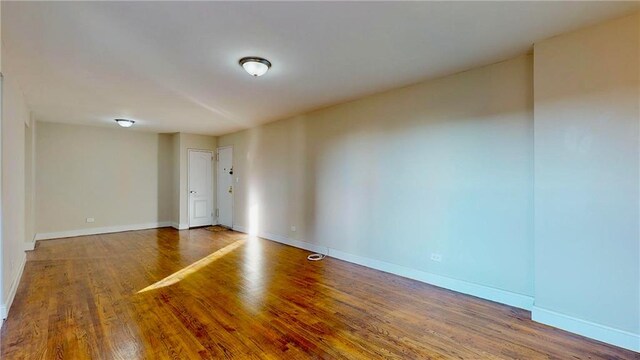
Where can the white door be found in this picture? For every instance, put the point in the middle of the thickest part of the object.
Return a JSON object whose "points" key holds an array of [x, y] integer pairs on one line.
{"points": [[225, 186], [200, 188]]}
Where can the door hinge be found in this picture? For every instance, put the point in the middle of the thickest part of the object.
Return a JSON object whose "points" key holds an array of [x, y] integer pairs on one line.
{"points": [[217, 157], [217, 212]]}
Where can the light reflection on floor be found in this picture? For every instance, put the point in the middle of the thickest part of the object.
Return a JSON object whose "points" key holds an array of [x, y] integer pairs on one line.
{"points": [[254, 272], [186, 271]]}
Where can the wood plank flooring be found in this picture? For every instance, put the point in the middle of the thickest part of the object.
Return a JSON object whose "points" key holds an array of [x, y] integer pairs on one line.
{"points": [[197, 294]]}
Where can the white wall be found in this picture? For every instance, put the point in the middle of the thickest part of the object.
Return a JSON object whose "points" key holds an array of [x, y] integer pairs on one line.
{"points": [[120, 177], [15, 114], [587, 248], [440, 167]]}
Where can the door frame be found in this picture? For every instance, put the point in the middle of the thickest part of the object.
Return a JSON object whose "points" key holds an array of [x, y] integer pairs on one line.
{"points": [[213, 175], [233, 194]]}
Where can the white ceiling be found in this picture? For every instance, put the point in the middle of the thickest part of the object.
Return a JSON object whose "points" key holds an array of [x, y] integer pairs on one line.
{"points": [[172, 66]]}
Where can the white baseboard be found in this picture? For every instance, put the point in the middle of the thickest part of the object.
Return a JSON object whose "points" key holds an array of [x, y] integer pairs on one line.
{"points": [[178, 226], [29, 246], [595, 331], [6, 306], [481, 291], [101, 230], [461, 286], [591, 330]]}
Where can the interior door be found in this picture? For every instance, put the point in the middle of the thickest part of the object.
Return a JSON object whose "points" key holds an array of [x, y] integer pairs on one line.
{"points": [[225, 187], [200, 188]]}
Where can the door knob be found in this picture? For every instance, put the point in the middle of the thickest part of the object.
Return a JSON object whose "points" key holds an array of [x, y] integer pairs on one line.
{"points": [[192, 192]]}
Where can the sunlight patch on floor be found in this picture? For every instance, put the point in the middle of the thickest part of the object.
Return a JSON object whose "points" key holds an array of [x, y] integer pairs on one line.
{"points": [[186, 271]]}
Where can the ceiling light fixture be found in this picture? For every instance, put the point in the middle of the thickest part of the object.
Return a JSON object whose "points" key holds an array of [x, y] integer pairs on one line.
{"points": [[125, 123], [254, 65]]}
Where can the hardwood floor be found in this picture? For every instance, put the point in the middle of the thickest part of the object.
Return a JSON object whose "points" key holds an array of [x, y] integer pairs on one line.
{"points": [[197, 294]]}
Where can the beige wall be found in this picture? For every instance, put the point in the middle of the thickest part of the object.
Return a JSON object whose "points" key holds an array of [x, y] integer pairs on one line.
{"points": [[587, 146], [441, 167], [186, 142], [15, 114], [117, 176], [3, 304], [175, 180], [29, 181]]}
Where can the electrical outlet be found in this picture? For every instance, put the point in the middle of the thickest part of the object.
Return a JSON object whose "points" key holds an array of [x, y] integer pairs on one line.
{"points": [[90, 220], [436, 257], [293, 228]]}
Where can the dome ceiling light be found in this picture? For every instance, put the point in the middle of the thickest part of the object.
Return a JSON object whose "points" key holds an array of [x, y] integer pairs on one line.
{"points": [[125, 123], [255, 66]]}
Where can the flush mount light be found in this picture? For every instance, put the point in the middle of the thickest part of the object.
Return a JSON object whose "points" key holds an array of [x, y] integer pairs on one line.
{"points": [[255, 66], [125, 122]]}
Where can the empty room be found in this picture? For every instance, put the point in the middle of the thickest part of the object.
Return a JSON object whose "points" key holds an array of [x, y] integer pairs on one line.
{"points": [[320, 180]]}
